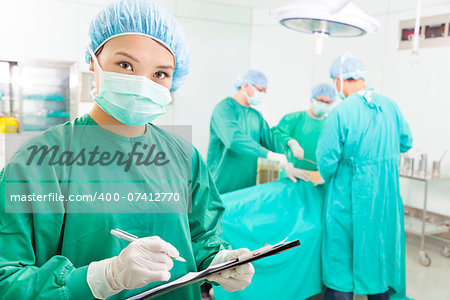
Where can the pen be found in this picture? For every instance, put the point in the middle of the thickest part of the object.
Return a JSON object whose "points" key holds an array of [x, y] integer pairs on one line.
{"points": [[131, 237]]}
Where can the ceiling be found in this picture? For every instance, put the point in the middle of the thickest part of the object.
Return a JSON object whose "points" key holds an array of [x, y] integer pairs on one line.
{"points": [[251, 3]]}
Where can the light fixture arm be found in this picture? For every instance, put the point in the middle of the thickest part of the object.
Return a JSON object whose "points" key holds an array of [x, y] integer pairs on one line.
{"points": [[339, 6], [416, 37]]}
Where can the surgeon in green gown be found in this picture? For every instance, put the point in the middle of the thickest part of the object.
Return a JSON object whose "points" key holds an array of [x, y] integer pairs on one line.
{"points": [[65, 189], [239, 135], [363, 249], [299, 131]]}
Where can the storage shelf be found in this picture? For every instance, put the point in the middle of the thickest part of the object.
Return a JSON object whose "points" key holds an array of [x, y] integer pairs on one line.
{"points": [[34, 85], [414, 226], [50, 100], [41, 96], [46, 116]]}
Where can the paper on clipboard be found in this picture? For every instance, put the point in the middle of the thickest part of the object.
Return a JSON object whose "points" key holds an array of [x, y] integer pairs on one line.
{"points": [[193, 277]]}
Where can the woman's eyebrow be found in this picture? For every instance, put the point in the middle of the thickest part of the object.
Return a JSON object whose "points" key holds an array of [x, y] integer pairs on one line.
{"points": [[165, 67], [128, 55]]}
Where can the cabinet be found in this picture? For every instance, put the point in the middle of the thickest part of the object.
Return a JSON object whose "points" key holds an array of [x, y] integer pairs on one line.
{"points": [[38, 94]]}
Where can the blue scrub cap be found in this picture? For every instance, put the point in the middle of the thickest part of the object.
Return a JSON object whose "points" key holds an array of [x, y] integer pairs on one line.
{"points": [[347, 66], [323, 89], [252, 77], [144, 17]]}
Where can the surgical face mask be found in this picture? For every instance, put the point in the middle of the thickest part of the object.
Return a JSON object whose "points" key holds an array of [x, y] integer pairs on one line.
{"points": [[130, 99], [320, 108], [257, 97], [340, 93]]}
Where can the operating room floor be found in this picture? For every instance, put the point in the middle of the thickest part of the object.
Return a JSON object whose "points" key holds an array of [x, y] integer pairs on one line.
{"points": [[425, 283]]}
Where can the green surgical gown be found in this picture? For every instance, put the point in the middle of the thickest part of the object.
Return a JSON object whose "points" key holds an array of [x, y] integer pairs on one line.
{"points": [[358, 154], [306, 130], [45, 254], [238, 136]]}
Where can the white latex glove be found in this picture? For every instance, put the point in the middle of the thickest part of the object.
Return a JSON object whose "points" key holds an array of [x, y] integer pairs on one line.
{"points": [[296, 149], [233, 279], [295, 173], [281, 158], [141, 262]]}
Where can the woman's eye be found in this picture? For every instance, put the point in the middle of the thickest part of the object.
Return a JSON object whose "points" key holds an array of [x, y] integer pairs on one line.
{"points": [[161, 75], [126, 66]]}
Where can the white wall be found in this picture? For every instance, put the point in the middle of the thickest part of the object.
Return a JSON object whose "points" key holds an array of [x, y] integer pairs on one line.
{"points": [[219, 37], [422, 90]]}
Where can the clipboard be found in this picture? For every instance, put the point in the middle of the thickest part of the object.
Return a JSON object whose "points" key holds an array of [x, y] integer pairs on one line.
{"points": [[193, 277]]}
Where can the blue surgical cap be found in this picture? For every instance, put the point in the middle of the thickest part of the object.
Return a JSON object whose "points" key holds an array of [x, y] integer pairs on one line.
{"points": [[323, 89], [348, 66], [147, 18], [252, 77]]}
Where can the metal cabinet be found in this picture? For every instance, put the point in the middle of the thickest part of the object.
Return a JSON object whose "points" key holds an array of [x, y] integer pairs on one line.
{"points": [[39, 94]]}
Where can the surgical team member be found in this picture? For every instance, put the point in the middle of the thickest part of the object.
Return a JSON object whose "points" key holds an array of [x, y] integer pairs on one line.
{"points": [[239, 135], [300, 130], [64, 249], [358, 155]]}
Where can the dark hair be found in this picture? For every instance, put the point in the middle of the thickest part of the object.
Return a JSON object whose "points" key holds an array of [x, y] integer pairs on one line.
{"points": [[99, 50]]}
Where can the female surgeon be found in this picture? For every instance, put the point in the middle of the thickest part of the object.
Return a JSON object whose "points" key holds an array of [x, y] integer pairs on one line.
{"points": [[64, 190]]}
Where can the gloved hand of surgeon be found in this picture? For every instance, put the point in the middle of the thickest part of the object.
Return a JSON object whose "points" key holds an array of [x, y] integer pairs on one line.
{"points": [[295, 173], [281, 158], [296, 149], [143, 261], [234, 279]]}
